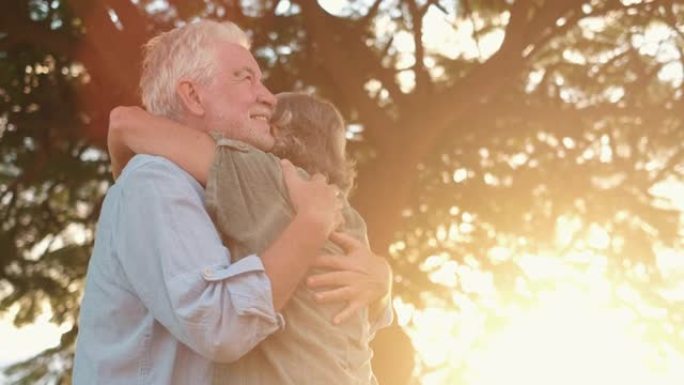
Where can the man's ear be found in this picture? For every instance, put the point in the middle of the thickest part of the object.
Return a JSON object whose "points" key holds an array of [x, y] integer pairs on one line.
{"points": [[190, 98]]}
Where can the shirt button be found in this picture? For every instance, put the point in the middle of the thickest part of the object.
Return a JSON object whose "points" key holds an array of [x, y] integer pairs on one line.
{"points": [[208, 272]]}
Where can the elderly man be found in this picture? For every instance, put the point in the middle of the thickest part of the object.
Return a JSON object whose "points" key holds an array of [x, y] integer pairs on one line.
{"points": [[162, 303]]}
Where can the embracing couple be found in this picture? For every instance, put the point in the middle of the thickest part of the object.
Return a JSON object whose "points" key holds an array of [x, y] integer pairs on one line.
{"points": [[227, 252]]}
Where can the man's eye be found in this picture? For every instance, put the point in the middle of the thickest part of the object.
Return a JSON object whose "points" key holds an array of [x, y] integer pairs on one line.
{"points": [[244, 76]]}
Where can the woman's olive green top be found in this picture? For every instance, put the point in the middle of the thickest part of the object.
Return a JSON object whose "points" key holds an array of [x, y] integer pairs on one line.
{"points": [[247, 199]]}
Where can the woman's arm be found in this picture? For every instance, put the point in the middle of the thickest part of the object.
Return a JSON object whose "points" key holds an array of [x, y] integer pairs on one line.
{"points": [[133, 130]]}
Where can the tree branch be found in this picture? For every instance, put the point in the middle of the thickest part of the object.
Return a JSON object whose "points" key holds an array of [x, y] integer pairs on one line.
{"points": [[327, 39], [422, 77]]}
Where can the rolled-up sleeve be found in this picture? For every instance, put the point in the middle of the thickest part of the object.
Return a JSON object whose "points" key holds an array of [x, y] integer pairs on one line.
{"points": [[175, 261]]}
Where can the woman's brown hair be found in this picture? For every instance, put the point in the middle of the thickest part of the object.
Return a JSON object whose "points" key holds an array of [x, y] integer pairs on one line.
{"points": [[310, 132]]}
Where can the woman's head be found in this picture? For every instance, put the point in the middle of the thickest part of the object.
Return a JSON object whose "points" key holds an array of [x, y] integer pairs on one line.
{"points": [[310, 132]]}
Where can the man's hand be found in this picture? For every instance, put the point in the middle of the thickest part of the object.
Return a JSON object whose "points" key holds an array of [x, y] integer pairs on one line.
{"points": [[360, 277], [313, 199]]}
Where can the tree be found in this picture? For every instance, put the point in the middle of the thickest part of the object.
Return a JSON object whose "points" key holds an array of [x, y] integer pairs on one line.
{"points": [[572, 116]]}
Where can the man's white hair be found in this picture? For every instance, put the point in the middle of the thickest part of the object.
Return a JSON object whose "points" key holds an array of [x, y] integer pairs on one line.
{"points": [[185, 52]]}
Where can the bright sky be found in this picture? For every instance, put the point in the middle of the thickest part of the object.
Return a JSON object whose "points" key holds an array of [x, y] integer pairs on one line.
{"points": [[20, 343], [574, 334]]}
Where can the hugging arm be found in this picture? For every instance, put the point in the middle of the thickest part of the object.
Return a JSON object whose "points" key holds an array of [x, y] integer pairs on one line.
{"points": [[174, 260], [247, 195], [286, 259], [133, 130]]}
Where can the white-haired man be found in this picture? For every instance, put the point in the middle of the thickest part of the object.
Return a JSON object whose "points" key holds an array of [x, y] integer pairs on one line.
{"points": [[162, 303]]}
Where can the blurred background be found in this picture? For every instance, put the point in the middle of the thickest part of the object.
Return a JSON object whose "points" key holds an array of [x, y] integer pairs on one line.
{"points": [[521, 164]]}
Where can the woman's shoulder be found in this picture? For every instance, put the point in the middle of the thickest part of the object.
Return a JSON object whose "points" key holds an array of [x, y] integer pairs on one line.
{"points": [[224, 144], [234, 144]]}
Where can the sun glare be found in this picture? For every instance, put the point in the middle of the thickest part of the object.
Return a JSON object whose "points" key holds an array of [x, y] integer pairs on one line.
{"points": [[581, 328], [21, 343], [567, 341], [569, 337]]}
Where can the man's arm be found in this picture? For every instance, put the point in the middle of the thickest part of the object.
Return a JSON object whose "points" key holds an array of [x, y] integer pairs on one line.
{"points": [[134, 129], [289, 258], [177, 265]]}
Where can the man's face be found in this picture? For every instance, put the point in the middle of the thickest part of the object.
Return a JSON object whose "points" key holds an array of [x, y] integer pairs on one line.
{"points": [[237, 104]]}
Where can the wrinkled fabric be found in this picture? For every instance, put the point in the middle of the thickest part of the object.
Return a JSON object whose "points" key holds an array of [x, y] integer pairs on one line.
{"points": [[163, 302], [247, 199]]}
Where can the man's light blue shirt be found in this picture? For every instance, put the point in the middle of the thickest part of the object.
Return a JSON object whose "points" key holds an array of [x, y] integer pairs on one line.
{"points": [[162, 303]]}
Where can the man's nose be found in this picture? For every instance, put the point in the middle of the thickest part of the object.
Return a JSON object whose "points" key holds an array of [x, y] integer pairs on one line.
{"points": [[265, 96]]}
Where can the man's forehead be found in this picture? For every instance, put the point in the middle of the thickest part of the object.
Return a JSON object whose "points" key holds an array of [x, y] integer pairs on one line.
{"points": [[233, 50], [237, 56]]}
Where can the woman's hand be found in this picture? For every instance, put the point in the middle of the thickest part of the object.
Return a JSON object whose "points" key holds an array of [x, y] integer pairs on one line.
{"points": [[122, 119], [360, 277], [314, 200]]}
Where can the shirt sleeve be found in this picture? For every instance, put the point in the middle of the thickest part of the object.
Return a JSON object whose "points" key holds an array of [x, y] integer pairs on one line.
{"points": [[178, 267], [246, 196]]}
